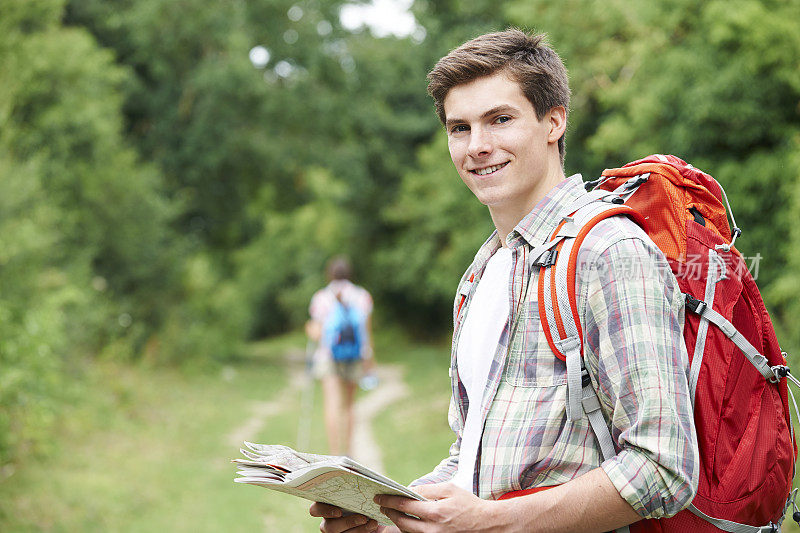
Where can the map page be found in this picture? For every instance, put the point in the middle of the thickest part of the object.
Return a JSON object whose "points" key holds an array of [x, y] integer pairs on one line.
{"points": [[337, 486], [335, 480]]}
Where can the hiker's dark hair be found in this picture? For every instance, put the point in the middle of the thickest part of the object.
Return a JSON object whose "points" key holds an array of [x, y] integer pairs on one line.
{"points": [[525, 57], [338, 268]]}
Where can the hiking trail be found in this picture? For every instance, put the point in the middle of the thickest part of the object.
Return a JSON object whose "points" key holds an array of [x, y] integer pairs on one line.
{"points": [[366, 450]]}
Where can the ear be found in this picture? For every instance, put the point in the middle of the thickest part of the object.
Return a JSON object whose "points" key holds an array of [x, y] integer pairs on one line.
{"points": [[557, 118]]}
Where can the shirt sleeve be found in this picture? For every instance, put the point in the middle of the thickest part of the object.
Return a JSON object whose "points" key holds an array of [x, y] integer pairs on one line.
{"points": [[366, 302], [634, 335], [448, 467], [317, 309]]}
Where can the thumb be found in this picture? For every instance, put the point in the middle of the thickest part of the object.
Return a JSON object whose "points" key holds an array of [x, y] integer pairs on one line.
{"points": [[435, 491]]}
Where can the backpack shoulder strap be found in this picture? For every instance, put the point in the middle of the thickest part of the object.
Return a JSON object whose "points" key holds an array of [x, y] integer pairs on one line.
{"points": [[558, 307], [557, 295], [557, 288]]}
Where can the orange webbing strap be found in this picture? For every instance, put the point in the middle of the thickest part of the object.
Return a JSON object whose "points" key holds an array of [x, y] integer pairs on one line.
{"points": [[464, 297], [573, 256], [571, 275], [523, 492], [543, 316], [542, 308]]}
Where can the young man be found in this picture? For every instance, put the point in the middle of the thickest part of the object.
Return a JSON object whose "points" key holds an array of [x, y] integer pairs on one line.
{"points": [[504, 98]]}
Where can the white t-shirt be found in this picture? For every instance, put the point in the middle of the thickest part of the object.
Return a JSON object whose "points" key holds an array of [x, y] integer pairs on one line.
{"points": [[477, 344]]}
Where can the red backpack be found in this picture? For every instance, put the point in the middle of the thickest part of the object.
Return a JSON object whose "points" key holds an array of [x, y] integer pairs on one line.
{"points": [[738, 372]]}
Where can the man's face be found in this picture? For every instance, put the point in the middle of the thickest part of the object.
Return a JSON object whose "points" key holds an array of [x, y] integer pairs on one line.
{"points": [[499, 147]]}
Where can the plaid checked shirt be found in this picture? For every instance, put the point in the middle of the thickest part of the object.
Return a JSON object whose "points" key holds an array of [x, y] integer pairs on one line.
{"points": [[634, 351]]}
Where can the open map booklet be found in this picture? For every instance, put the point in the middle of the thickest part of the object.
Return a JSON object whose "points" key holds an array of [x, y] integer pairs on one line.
{"points": [[330, 479]]}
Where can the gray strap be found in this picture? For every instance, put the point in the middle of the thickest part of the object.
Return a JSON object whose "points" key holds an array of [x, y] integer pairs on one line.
{"points": [[561, 273], [715, 274], [568, 231], [734, 527], [631, 185], [571, 348], [591, 406], [561, 269], [796, 412], [548, 305], [537, 252], [465, 287], [749, 351], [584, 200]]}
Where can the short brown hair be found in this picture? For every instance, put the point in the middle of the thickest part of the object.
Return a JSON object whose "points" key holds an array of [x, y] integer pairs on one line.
{"points": [[526, 57], [339, 268]]}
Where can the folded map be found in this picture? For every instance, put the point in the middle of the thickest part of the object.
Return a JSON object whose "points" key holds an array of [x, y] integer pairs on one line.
{"points": [[336, 480]]}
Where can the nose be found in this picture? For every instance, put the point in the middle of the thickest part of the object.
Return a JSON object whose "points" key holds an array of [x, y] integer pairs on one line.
{"points": [[480, 144]]}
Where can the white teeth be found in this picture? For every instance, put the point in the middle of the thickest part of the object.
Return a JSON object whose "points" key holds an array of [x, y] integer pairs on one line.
{"points": [[489, 170]]}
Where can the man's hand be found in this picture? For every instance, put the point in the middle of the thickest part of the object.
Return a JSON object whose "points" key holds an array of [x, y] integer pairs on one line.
{"points": [[334, 521], [449, 509]]}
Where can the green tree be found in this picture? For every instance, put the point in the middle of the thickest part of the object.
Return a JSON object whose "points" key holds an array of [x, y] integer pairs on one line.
{"points": [[237, 143], [86, 239], [439, 226], [715, 83]]}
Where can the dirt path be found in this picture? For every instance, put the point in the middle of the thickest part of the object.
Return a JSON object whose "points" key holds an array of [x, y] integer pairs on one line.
{"points": [[365, 449], [390, 389], [260, 412]]}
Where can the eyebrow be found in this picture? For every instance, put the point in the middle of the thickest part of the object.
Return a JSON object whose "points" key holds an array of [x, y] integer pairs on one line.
{"points": [[503, 108]]}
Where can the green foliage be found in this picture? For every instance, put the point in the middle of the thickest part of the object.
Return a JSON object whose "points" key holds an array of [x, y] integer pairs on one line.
{"points": [[31, 336], [438, 227], [283, 267], [86, 238], [209, 322], [785, 292], [715, 83], [163, 199]]}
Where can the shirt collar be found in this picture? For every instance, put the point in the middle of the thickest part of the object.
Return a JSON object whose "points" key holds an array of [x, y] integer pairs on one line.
{"points": [[538, 225]]}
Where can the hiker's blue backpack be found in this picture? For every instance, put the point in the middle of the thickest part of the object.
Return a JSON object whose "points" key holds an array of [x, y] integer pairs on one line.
{"points": [[344, 331]]}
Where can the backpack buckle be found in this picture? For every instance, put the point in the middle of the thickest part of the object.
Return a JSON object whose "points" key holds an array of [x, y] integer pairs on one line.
{"points": [[780, 371], [613, 198], [633, 183], [694, 305], [547, 259], [586, 380]]}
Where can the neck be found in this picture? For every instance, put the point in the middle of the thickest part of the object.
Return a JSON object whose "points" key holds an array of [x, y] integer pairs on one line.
{"points": [[507, 216]]}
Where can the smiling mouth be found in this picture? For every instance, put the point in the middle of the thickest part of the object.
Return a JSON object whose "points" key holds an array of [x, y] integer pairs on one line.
{"points": [[488, 170]]}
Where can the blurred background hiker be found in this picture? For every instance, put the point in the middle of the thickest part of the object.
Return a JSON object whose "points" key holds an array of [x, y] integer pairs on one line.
{"points": [[341, 326]]}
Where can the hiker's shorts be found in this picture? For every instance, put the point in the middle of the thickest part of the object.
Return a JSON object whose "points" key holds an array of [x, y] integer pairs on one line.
{"points": [[351, 371]]}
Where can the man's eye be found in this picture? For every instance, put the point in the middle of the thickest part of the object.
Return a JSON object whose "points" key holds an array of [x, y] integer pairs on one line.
{"points": [[502, 118], [459, 128]]}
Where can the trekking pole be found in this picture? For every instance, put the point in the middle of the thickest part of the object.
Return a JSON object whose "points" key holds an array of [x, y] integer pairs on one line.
{"points": [[306, 401]]}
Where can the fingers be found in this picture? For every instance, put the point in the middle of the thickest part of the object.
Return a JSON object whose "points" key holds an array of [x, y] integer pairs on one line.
{"points": [[335, 521], [435, 491], [323, 510], [393, 502], [406, 523], [402, 504], [404, 512], [355, 523]]}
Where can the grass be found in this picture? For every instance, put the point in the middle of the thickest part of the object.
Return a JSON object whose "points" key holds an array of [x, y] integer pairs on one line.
{"points": [[414, 435], [148, 449]]}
